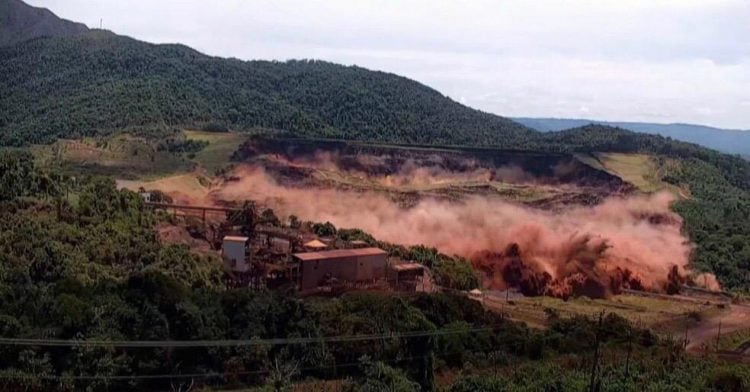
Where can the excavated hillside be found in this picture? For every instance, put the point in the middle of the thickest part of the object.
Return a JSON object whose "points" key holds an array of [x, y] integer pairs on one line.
{"points": [[409, 174]]}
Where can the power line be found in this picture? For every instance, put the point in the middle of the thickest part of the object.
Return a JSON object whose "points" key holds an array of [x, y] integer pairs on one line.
{"points": [[216, 343], [191, 375], [232, 343], [122, 377]]}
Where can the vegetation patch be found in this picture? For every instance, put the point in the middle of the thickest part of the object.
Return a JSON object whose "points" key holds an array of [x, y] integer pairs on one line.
{"points": [[187, 188], [664, 314], [638, 169], [122, 156], [217, 150], [134, 157], [736, 340]]}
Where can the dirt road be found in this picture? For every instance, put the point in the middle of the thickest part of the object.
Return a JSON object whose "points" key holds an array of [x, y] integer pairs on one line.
{"points": [[705, 333]]}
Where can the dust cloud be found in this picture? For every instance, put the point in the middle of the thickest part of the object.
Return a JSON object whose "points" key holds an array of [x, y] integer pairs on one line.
{"points": [[410, 172], [634, 242]]}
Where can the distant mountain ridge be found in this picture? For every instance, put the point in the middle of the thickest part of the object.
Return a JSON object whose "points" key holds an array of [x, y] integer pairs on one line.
{"points": [[725, 140], [21, 22]]}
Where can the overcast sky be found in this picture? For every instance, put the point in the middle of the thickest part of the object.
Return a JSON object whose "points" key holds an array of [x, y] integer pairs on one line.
{"points": [[635, 60]]}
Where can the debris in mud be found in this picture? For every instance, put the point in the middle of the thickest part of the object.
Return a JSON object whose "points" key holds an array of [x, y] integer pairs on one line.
{"points": [[583, 271]]}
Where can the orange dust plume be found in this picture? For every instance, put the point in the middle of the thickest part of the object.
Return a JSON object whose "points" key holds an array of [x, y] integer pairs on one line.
{"points": [[633, 242]]}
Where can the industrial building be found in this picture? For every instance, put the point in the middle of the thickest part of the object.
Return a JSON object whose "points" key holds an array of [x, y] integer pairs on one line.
{"points": [[406, 276], [349, 266], [234, 250]]}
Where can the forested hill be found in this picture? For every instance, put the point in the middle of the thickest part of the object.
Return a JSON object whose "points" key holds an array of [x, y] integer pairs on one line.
{"points": [[726, 140], [99, 82], [21, 22]]}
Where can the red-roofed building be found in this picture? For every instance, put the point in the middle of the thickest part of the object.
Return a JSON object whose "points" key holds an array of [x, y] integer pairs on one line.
{"points": [[344, 265]]}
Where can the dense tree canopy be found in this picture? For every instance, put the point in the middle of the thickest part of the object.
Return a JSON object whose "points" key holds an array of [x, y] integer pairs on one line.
{"points": [[101, 82]]}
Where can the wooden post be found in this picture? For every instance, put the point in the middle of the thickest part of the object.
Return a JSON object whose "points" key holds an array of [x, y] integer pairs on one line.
{"points": [[718, 337], [595, 364], [630, 350]]}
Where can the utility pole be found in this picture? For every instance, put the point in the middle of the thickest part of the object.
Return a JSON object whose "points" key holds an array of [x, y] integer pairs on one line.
{"points": [[630, 350], [595, 364], [718, 336], [100, 23]]}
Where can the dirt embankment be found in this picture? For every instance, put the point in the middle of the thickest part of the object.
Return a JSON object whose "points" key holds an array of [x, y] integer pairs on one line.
{"points": [[540, 180], [178, 235]]}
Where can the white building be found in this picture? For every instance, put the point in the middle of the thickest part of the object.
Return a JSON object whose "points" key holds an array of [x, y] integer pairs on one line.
{"points": [[234, 251]]}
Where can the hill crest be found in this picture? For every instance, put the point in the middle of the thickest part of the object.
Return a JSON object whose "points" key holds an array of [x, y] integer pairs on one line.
{"points": [[21, 22], [99, 82], [730, 141]]}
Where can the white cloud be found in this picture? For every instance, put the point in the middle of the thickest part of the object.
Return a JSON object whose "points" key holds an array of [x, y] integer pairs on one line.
{"points": [[641, 60]]}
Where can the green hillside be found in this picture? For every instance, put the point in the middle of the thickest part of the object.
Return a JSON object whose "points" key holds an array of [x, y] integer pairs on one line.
{"points": [[100, 82]]}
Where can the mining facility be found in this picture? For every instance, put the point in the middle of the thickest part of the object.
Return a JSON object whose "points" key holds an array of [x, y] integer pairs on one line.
{"points": [[260, 255], [319, 271]]}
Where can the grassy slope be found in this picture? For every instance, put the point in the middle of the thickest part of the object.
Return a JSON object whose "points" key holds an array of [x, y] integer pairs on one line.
{"points": [[638, 169], [121, 156], [664, 315], [644, 171], [220, 148], [184, 188], [124, 156], [734, 340]]}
